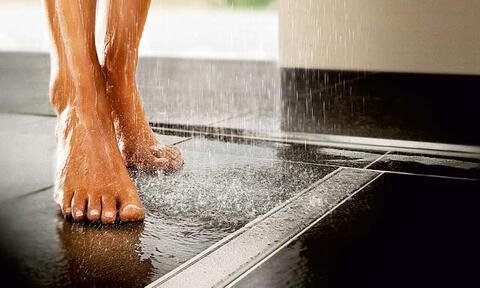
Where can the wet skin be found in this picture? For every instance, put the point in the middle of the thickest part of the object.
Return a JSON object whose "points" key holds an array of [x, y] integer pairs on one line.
{"points": [[101, 126]]}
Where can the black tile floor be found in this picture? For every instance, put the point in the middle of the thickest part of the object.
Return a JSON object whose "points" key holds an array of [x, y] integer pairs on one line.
{"points": [[400, 231], [408, 226], [224, 185]]}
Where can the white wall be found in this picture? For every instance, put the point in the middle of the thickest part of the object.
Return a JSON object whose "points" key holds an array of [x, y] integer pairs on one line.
{"points": [[439, 36], [190, 30]]}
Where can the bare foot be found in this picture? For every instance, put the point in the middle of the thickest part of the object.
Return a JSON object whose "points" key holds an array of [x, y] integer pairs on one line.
{"points": [[136, 140], [91, 181]]}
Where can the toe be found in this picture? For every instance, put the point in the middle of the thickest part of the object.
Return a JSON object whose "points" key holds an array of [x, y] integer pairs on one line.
{"points": [[131, 208], [131, 212], [161, 163], [158, 152], [172, 152], [78, 205], [94, 208], [66, 203], [109, 209], [175, 164]]}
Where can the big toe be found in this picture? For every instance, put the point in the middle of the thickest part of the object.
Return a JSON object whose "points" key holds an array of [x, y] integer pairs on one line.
{"points": [[131, 212], [131, 208]]}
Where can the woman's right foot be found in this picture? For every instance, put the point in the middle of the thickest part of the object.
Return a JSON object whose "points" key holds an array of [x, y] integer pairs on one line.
{"points": [[91, 180]]}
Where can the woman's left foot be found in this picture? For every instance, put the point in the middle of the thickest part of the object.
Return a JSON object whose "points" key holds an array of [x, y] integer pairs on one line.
{"points": [[137, 142]]}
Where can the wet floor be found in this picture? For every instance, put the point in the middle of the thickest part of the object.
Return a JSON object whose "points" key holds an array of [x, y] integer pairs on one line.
{"points": [[222, 186], [228, 181], [219, 190]]}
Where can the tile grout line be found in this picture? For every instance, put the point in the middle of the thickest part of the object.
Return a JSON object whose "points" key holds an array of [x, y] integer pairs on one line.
{"points": [[240, 231], [378, 159], [311, 204], [420, 175], [296, 236], [345, 142], [375, 170], [357, 168], [363, 168], [28, 194], [182, 141]]}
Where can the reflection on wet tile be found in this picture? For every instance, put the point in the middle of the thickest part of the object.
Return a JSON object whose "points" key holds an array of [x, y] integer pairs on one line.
{"points": [[49, 251], [429, 165], [398, 231], [187, 211], [283, 151]]}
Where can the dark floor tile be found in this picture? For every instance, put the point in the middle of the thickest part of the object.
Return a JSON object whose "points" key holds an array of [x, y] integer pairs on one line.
{"points": [[399, 231], [24, 80], [422, 164], [26, 154], [282, 151], [213, 195]]}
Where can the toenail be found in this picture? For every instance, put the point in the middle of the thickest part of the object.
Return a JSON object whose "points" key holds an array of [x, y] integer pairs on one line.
{"points": [[79, 213], [94, 212], [108, 214], [131, 206]]}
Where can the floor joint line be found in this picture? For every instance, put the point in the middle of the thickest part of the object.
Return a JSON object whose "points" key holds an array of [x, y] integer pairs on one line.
{"points": [[345, 142], [28, 194]]}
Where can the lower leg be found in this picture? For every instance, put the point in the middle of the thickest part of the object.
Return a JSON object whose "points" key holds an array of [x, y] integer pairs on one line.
{"points": [[125, 23], [60, 77], [91, 180]]}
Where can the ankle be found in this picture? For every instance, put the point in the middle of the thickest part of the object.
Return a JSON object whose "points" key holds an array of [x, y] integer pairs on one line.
{"points": [[86, 96], [58, 97], [119, 71]]}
